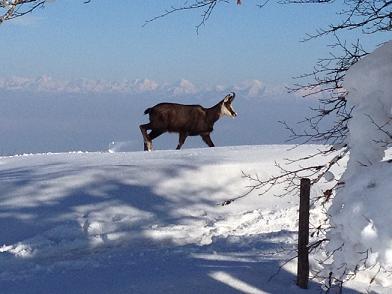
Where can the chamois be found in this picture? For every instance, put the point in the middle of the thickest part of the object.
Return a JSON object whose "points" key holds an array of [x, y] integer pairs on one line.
{"points": [[187, 120]]}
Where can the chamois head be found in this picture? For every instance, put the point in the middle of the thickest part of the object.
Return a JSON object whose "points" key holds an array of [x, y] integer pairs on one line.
{"points": [[187, 120], [227, 108]]}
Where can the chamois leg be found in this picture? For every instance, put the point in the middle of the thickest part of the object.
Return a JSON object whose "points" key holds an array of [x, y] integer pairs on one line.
{"points": [[146, 138], [154, 134], [207, 139], [181, 140]]}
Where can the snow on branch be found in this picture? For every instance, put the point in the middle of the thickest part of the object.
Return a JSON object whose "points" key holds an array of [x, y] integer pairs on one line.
{"points": [[360, 212], [10, 9]]}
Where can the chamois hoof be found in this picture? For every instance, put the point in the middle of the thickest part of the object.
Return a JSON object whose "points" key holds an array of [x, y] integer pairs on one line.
{"points": [[147, 146]]}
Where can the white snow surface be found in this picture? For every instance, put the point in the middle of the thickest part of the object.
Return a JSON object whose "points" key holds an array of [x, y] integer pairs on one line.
{"points": [[361, 211], [144, 223], [150, 222]]}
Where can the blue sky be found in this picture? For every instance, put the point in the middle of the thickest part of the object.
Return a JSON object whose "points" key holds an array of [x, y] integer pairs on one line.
{"points": [[70, 40], [77, 76]]}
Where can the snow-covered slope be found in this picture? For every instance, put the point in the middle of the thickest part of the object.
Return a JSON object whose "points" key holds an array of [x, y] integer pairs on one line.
{"points": [[145, 223]]}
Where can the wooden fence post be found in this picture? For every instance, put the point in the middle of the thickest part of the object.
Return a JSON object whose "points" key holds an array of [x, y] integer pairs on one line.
{"points": [[303, 235]]}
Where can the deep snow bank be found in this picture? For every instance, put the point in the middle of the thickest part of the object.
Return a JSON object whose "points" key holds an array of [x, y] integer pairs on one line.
{"points": [[361, 234]]}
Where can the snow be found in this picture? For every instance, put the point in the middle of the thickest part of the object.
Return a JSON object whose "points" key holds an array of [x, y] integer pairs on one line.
{"points": [[139, 222], [369, 86], [151, 222], [136, 222], [361, 211]]}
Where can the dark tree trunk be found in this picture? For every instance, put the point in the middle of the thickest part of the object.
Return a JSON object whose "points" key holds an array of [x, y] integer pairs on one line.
{"points": [[303, 235]]}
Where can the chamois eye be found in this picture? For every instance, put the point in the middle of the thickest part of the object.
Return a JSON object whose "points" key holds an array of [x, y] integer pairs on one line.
{"points": [[186, 120]]}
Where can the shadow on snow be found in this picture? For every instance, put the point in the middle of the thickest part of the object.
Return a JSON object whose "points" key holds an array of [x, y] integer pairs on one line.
{"points": [[52, 212]]}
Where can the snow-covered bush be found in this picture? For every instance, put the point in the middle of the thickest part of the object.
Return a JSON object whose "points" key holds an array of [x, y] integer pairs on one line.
{"points": [[361, 213]]}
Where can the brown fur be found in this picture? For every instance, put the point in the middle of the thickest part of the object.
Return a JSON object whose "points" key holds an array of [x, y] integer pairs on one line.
{"points": [[187, 120]]}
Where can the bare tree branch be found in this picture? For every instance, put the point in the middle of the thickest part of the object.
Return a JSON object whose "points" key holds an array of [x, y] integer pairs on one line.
{"points": [[384, 128], [10, 9], [369, 16], [206, 7]]}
